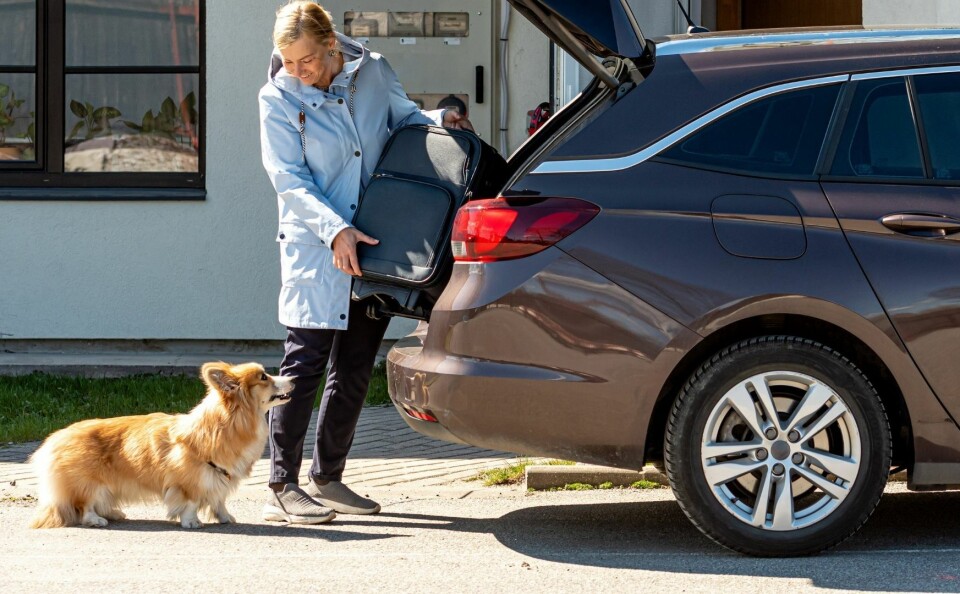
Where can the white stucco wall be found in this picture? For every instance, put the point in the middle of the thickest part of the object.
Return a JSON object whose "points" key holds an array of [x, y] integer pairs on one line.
{"points": [[209, 270], [187, 270], [911, 12], [528, 76]]}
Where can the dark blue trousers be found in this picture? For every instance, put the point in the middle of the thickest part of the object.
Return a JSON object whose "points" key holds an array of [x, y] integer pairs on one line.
{"points": [[351, 354]]}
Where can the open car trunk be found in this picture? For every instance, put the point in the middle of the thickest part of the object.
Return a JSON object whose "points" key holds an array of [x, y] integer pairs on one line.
{"points": [[426, 173]]}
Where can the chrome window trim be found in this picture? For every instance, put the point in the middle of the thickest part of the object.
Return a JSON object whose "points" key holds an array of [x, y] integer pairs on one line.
{"points": [[906, 72], [633, 159], [673, 46]]}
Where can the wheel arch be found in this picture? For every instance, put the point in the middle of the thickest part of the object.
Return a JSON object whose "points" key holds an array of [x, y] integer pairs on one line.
{"points": [[800, 326]]}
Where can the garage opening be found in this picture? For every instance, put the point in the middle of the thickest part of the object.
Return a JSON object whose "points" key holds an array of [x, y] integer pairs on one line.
{"points": [[769, 14]]}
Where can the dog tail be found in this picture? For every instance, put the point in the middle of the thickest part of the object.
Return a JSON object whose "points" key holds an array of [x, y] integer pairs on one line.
{"points": [[56, 510], [54, 515]]}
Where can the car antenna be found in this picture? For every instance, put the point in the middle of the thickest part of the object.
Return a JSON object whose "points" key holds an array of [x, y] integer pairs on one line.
{"points": [[691, 28]]}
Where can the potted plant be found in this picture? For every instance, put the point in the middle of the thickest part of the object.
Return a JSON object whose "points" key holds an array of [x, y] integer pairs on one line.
{"points": [[9, 107], [170, 121], [94, 121], [30, 150]]}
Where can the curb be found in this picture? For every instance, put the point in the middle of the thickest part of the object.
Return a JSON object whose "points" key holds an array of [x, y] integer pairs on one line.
{"points": [[104, 359], [540, 478], [552, 477]]}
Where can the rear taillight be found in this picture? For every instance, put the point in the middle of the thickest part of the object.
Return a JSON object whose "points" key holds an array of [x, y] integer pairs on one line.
{"points": [[506, 228]]}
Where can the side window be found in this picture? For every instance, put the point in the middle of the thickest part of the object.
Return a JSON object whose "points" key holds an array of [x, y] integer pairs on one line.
{"points": [[781, 134], [879, 138], [938, 96]]}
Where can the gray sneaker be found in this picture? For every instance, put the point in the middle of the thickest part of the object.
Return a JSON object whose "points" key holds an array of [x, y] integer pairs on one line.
{"points": [[338, 496], [294, 506]]}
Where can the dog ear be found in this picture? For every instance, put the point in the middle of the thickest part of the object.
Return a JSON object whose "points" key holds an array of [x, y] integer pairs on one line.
{"points": [[218, 376]]}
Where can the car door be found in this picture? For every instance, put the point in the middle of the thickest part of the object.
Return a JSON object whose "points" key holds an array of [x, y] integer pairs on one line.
{"points": [[894, 183]]}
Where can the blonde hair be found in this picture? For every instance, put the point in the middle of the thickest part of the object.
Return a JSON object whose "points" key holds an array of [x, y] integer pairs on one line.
{"points": [[299, 18]]}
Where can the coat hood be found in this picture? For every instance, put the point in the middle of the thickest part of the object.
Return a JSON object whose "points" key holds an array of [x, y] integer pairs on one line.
{"points": [[352, 50]]}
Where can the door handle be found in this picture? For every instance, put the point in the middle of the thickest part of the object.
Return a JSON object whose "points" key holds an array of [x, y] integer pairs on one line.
{"points": [[926, 225]]}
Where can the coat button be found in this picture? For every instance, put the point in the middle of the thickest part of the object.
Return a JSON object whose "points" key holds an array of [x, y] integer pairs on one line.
{"points": [[356, 153], [282, 236], [353, 207], [343, 316], [340, 101], [314, 104]]}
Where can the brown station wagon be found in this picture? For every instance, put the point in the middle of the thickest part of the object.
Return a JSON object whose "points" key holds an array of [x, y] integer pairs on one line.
{"points": [[733, 255]]}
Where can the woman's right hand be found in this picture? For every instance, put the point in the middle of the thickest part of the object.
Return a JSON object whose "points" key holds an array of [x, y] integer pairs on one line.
{"points": [[345, 250]]}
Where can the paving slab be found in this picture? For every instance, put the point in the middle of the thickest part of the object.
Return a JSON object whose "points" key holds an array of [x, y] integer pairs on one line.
{"points": [[386, 454]]}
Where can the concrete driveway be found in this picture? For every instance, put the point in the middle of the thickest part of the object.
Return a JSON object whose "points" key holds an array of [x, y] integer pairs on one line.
{"points": [[435, 540], [440, 532]]}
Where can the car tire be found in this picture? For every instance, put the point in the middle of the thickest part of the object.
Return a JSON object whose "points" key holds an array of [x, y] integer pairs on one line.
{"points": [[830, 437]]}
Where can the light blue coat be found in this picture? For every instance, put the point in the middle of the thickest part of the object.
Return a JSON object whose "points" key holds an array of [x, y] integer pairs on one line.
{"points": [[318, 199]]}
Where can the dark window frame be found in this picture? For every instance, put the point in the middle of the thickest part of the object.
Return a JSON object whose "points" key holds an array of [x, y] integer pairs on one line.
{"points": [[834, 138], [854, 122], [29, 179]]}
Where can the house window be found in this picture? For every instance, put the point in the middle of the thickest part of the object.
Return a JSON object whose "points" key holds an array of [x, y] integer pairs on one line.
{"points": [[101, 94]]}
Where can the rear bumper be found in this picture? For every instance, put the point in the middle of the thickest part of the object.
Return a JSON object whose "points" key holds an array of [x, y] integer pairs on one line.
{"points": [[406, 387], [558, 362]]}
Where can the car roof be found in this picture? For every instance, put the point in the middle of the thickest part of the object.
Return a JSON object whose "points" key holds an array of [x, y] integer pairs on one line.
{"points": [[694, 74], [807, 36]]}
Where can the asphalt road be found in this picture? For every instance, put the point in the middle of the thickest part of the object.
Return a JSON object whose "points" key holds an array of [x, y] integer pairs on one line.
{"points": [[493, 540]]}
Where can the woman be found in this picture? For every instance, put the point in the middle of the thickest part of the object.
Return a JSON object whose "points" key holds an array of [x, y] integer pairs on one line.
{"points": [[326, 112]]}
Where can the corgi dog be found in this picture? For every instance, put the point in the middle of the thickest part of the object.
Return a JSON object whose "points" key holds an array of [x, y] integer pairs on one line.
{"points": [[192, 462]]}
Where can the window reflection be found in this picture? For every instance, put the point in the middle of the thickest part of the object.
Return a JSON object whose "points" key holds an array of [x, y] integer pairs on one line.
{"points": [[132, 32], [18, 32], [17, 115], [132, 122]]}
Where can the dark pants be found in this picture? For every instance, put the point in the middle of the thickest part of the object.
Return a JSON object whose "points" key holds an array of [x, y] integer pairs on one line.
{"points": [[351, 354]]}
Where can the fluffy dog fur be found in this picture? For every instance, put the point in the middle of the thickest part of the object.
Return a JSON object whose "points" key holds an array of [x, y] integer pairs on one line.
{"points": [[193, 462]]}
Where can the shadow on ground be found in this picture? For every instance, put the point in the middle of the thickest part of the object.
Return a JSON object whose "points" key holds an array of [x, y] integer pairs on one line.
{"points": [[912, 543]]}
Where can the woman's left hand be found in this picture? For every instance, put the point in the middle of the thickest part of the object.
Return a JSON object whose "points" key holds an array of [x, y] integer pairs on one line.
{"points": [[345, 250], [453, 119]]}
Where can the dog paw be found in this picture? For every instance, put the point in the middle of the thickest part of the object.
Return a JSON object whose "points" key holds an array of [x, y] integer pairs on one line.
{"points": [[191, 522], [92, 521], [116, 515], [226, 518]]}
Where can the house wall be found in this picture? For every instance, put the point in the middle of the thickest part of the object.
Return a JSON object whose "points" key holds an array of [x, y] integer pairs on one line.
{"points": [[160, 270], [911, 12], [209, 270], [204, 270], [528, 76]]}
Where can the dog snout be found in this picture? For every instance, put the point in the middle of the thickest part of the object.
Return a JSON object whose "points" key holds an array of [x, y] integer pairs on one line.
{"points": [[284, 385]]}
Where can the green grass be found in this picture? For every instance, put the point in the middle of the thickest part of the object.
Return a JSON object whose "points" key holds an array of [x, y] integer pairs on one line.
{"points": [[33, 406], [641, 484], [377, 394], [645, 484], [577, 487], [514, 473]]}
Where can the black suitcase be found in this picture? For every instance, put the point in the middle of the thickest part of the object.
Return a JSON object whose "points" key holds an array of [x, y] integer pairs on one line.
{"points": [[424, 174]]}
